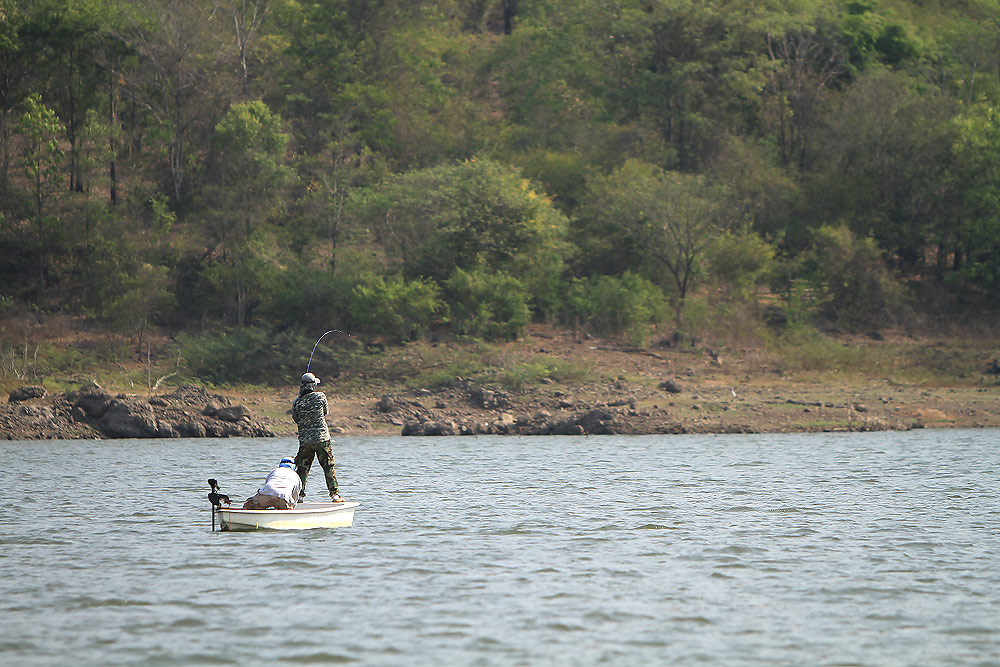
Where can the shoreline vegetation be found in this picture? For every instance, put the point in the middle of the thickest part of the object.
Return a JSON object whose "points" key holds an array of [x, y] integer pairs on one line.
{"points": [[551, 381], [544, 217]]}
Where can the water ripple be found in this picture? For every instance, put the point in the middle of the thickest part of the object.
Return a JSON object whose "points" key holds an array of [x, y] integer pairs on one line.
{"points": [[870, 549]]}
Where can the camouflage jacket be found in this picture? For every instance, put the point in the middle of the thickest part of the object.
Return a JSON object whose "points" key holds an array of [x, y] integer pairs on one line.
{"points": [[309, 411]]}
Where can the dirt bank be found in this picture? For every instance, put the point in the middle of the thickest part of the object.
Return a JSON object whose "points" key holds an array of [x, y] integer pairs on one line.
{"points": [[624, 390]]}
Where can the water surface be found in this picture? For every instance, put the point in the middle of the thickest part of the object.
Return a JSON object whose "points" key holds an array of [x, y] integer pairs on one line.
{"points": [[831, 549]]}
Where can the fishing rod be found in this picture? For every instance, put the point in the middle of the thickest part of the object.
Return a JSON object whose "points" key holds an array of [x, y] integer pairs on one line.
{"points": [[317, 345]]}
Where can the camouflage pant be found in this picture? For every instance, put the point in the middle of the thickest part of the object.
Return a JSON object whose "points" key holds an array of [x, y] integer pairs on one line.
{"points": [[304, 459], [263, 502]]}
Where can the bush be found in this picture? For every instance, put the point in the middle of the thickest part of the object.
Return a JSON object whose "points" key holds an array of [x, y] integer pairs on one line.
{"points": [[312, 299], [250, 354], [859, 290], [608, 305], [491, 306], [740, 261], [395, 308]]}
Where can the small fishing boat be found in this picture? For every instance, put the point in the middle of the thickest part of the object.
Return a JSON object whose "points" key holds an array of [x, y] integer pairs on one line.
{"points": [[305, 515]]}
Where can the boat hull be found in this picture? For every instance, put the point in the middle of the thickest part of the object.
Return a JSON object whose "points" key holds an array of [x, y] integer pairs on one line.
{"points": [[304, 516]]}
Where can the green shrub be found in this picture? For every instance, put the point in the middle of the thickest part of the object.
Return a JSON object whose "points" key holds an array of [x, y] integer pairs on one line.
{"points": [[491, 306], [609, 305], [248, 354], [860, 292], [739, 261], [395, 308], [310, 299]]}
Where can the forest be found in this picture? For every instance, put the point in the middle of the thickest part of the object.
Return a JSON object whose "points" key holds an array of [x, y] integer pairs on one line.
{"points": [[643, 169]]}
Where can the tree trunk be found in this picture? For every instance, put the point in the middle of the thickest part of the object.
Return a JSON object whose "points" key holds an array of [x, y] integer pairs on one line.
{"points": [[112, 119], [509, 9]]}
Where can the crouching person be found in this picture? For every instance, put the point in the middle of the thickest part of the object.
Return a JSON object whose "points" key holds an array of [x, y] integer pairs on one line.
{"points": [[281, 489]]}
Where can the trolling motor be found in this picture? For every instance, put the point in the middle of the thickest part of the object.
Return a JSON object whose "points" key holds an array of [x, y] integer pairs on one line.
{"points": [[216, 498]]}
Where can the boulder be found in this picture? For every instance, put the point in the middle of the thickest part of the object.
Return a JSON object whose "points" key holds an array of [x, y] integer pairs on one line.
{"points": [[26, 392], [489, 399], [232, 413], [92, 401], [671, 387], [128, 418]]}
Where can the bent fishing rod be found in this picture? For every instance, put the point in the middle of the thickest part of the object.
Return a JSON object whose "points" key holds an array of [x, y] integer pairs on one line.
{"points": [[317, 345]]}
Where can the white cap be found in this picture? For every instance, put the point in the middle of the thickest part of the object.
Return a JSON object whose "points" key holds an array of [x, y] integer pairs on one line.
{"points": [[309, 378]]}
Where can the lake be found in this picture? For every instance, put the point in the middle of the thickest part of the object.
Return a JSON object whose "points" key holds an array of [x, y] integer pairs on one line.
{"points": [[818, 549]]}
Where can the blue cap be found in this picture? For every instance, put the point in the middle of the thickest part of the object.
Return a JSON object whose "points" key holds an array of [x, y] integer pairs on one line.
{"points": [[287, 462]]}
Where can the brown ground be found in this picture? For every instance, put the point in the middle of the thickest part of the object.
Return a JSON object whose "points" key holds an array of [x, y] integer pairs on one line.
{"points": [[746, 390], [742, 392]]}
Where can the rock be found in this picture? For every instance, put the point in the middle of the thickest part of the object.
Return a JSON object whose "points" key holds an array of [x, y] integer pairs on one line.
{"points": [[93, 401], [596, 421], [35, 413], [386, 404], [671, 386], [191, 429], [128, 418], [489, 399], [167, 430], [26, 392], [232, 413]]}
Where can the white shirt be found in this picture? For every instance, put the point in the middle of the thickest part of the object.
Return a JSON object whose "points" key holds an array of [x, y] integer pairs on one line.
{"points": [[283, 483]]}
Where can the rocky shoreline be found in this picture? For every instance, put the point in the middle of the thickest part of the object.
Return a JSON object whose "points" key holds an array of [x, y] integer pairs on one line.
{"points": [[32, 413], [616, 407]]}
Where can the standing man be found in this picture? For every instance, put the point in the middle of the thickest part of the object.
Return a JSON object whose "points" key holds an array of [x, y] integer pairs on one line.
{"points": [[309, 412]]}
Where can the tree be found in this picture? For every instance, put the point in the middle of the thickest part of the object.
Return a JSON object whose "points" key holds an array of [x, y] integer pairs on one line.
{"points": [[247, 177], [974, 246], [859, 291], [178, 76], [248, 15], [885, 170], [10, 54], [42, 159], [645, 219], [471, 214], [804, 62]]}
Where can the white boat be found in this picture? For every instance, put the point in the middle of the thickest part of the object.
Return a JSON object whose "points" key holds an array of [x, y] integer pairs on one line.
{"points": [[305, 515]]}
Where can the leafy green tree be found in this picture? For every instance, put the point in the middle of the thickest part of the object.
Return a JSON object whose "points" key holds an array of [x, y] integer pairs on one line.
{"points": [[805, 61], [10, 55], [247, 177], [398, 309], [73, 45], [609, 305], [248, 19], [145, 296], [179, 78], [859, 291], [42, 160], [975, 245], [487, 305], [465, 215], [886, 167], [739, 260], [966, 58], [642, 218]]}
